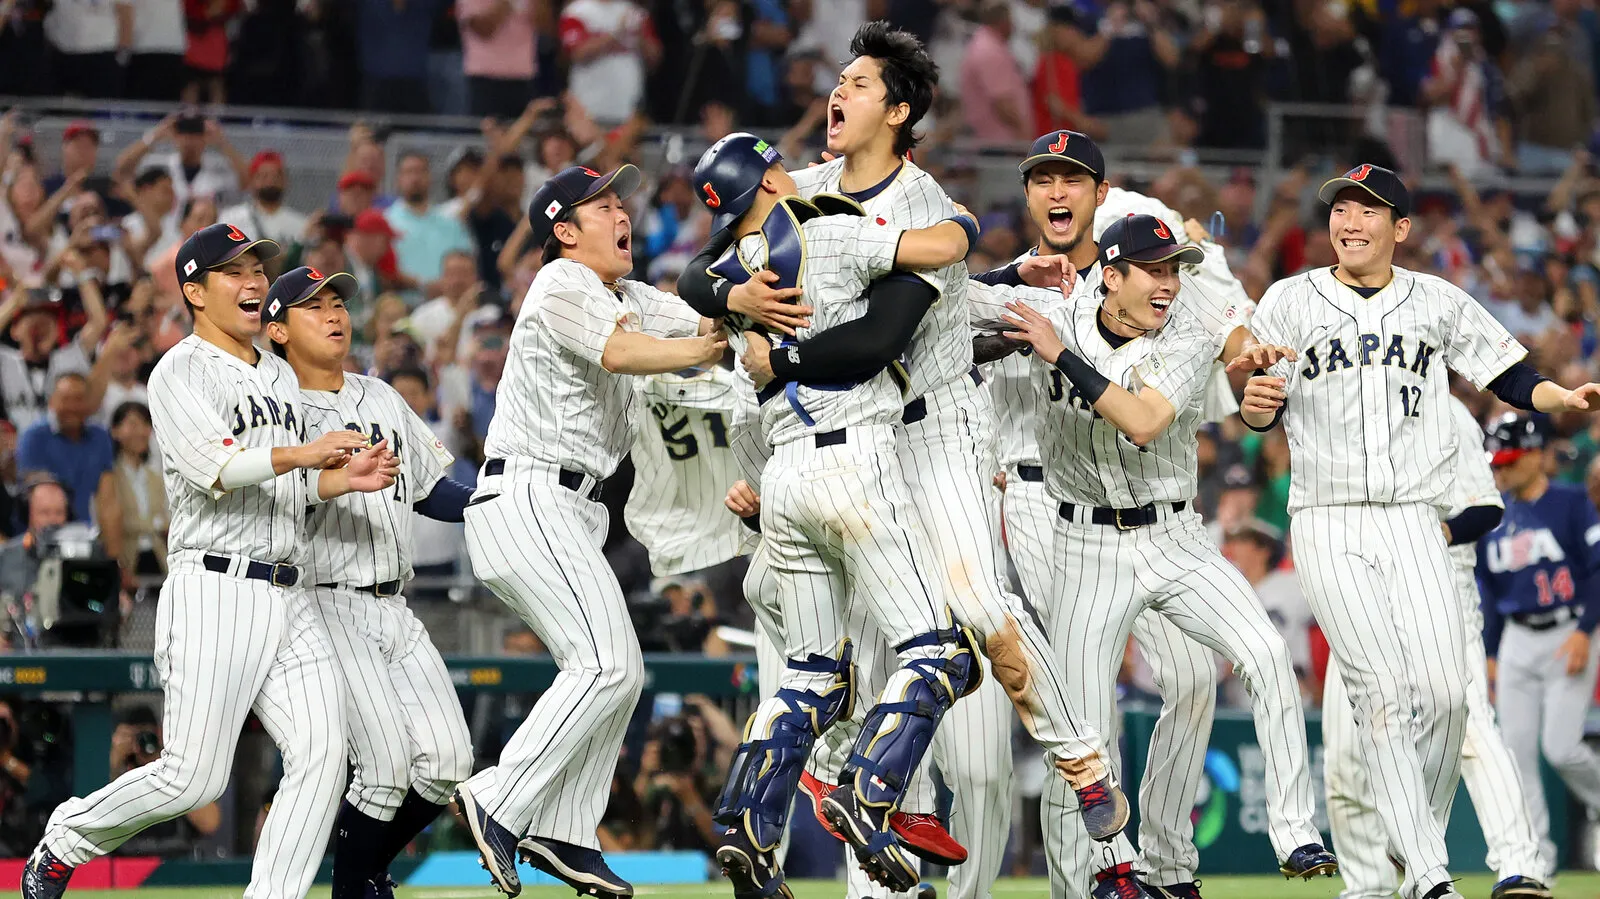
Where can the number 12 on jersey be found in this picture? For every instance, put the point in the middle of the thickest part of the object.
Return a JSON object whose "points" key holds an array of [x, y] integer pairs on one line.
{"points": [[1411, 401]]}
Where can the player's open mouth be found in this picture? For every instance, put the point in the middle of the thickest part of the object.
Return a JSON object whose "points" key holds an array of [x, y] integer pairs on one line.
{"points": [[1354, 243], [1160, 305], [336, 334], [835, 119], [625, 244], [1060, 219], [250, 307]]}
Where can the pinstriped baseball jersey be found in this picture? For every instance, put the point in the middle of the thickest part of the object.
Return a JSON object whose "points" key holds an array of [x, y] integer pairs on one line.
{"points": [[941, 349], [843, 254], [361, 539], [683, 466], [1473, 484], [1367, 414], [206, 406], [556, 403], [1087, 460], [1010, 380]]}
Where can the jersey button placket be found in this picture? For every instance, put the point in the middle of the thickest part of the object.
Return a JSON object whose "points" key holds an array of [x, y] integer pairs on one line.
{"points": [[1376, 414]]}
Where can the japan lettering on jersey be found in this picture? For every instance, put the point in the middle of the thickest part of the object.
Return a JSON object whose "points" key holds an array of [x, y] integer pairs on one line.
{"points": [[1087, 460], [843, 255], [1368, 414], [206, 406], [941, 348], [361, 539], [1543, 554], [556, 402]]}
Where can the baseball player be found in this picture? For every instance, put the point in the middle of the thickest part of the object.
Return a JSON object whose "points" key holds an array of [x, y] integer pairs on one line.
{"points": [[1064, 185], [1366, 408], [237, 630], [1538, 571], [947, 455], [835, 515], [408, 738], [1120, 464], [563, 421], [1486, 764]]}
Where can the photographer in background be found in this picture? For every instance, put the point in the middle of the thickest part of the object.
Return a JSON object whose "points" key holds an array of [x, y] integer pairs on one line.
{"points": [[137, 742], [680, 770], [680, 616], [34, 587]]}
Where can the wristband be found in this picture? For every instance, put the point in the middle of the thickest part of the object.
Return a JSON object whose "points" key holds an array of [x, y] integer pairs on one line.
{"points": [[1091, 384], [967, 225]]}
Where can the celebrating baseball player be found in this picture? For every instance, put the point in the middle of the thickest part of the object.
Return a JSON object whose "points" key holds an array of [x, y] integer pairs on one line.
{"points": [[564, 420], [1538, 570], [1487, 766], [1120, 462], [1064, 185], [1366, 407], [947, 456], [408, 738], [835, 505], [237, 631]]}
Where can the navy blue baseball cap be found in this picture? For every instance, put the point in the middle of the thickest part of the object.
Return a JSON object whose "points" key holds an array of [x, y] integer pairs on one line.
{"points": [[1066, 146], [1513, 436], [729, 174], [214, 246], [299, 285], [571, 187], [1384, 185], [1144, 238]]}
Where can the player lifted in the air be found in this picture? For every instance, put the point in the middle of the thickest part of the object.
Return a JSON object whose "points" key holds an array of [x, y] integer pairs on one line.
{"points": [[1366, 407], [409, 742], [564, 420], [1487, 766], [947, 452], [1124, 367], [837, 522], [237, 629]]}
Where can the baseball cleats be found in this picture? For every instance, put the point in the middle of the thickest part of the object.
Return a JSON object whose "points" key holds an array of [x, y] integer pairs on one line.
{"points": [[45, 876], [1446, 890], [1189, 890], [866, 829], [380, 887], [1308, 861], [1519, 887], [921, 835], [497, 846], [754, 874], [1119, 883], [1105, 809], [927, 891], [583, 869]]}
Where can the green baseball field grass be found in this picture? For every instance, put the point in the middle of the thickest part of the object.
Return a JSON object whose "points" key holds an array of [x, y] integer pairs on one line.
{"points": [[1574, 885]]}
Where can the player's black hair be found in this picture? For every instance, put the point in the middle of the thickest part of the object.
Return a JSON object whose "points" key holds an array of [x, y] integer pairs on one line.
{"points": [[412, 371], [909, 74]]}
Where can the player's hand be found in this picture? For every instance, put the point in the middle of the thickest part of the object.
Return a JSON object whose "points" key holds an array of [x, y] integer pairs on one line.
{"points": [[1584, 399], [1575, 650], [1196, 231], [1035, 330], [1263, 395], [999, 481], [1491, 673], [964, 211], [373, 470], [757, 358], [742, 500], [714, 344], [1261, 356], [771, 307], [331, 449], [826, 157], [1049, 271]]}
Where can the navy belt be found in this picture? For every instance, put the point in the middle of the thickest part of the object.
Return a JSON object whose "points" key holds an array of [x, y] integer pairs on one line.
{"points": [[572, 480], [1124, 519], [831, 438], [917, 409], [1034, 473], [278, 575], [387, 588], [1543, 621]]}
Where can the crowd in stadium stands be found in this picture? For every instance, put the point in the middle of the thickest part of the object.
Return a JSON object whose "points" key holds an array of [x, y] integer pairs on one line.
{"points": [[89, 299]]}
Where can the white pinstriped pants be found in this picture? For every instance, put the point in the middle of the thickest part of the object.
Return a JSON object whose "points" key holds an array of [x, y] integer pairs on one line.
{"points": [[1486, 765], [406, 725], [227, 646], [1105, 579], [537, 546], [1378, 579], [1185, 674]]}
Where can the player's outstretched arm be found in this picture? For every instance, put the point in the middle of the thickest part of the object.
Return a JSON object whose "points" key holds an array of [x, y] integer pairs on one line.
{"points": [[261, 464], [367, 472], [943, 244], [634, 353], [854, 350]]}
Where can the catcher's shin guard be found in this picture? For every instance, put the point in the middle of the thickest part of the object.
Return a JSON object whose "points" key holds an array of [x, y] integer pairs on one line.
{"points": [[899, 729], [766, 768]]}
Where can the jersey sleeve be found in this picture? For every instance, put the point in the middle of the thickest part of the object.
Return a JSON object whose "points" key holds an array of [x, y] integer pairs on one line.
{"points": [[662, 314], [428, 460], [1479, 348], [1180, 364], [1474, 479], [580, 323], [1273, 323], [192, 427], [869, 248]]}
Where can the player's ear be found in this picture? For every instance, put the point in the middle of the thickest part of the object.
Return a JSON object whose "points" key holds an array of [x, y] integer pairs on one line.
{"points": [[566, 232], [898, 114], [194, 292], [1111, 278], [277, 332], [1402, 229], [1100, 192]]}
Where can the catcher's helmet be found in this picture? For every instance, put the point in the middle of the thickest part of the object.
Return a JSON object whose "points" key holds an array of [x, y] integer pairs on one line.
{"points": [[1513, 435], [728, 175]]}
